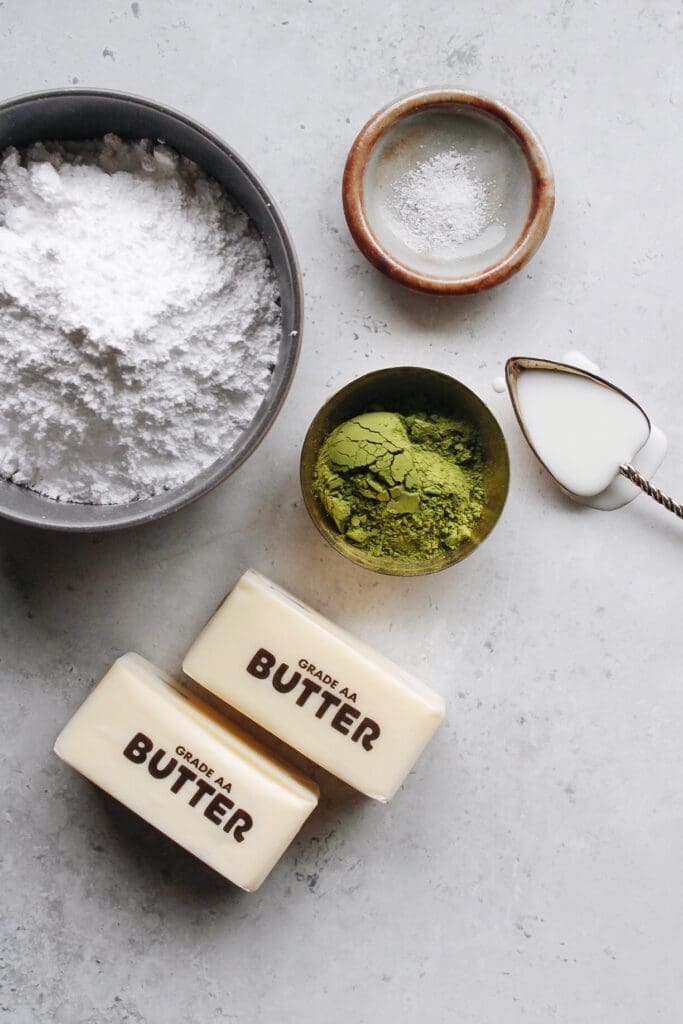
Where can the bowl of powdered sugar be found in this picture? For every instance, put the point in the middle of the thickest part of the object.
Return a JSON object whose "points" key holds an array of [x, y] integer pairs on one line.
{"points": [[150, 310], [448, 191]]}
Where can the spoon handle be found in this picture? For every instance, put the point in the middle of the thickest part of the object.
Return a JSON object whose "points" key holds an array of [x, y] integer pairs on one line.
{"points": [[634, 476]]}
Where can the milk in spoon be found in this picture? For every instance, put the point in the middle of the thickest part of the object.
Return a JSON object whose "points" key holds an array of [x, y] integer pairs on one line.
{"points": [[579, 428]]}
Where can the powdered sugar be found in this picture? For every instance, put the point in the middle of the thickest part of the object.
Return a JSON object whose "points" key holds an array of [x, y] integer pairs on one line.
{"points": [[441, 203], [139, 320]]}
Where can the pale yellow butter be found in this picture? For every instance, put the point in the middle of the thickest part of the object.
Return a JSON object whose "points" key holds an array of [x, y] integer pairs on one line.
{"points": [[316, 687], [193, 775]]}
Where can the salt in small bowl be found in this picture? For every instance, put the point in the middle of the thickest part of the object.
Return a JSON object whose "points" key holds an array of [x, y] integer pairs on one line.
{"points": [[511, 174]]}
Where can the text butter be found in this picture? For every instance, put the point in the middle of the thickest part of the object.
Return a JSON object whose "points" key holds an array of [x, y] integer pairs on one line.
{"points": [[315, 686], [170, 758]]}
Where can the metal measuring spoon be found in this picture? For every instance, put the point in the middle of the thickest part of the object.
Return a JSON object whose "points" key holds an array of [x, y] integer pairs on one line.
{"points": [[518, 365]]}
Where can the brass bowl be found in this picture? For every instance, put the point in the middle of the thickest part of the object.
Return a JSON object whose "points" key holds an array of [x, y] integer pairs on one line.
{"points": [[394, 388]]}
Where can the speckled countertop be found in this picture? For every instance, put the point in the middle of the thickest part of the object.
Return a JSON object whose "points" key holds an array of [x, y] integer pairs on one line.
{"points": [[531, 869]]}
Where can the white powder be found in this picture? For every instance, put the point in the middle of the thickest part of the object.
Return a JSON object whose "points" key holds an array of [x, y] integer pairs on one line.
{"points": [[139, 320], [441, 202]]}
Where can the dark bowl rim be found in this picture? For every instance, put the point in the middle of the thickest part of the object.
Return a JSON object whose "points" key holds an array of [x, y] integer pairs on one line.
{"points": [[311, 502], [222, 472], [542, 187]]}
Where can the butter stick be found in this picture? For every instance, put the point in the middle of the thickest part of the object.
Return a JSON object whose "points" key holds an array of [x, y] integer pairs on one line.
{"points": [[173, 760], [316, 687]]}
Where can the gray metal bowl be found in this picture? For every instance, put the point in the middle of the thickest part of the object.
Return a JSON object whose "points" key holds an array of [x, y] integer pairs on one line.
{"points": [[91, 113]]}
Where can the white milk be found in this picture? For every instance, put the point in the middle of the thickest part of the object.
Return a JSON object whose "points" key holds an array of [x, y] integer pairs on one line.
{"points": [[581, 430], [647, 461]]}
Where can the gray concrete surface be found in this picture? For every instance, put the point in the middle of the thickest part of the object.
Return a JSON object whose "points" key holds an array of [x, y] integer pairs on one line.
{"points": [[530, 871]]}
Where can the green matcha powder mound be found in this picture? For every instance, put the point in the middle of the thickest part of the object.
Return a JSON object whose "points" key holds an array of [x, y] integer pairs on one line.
{"points": [[405, 487]]}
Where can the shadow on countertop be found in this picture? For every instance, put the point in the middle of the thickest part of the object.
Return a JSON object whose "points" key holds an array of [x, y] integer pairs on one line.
{"points": [[157, 873], [64, 580]]}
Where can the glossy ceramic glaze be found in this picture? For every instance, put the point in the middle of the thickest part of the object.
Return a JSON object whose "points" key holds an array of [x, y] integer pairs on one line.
{"points": [[509, 160]]}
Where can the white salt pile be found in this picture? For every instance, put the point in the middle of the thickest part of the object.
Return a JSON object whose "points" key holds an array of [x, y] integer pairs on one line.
{"points": [[441, 203]]}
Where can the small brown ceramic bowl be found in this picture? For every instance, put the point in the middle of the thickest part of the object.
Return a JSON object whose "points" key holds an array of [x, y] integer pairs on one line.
{"points": [[394, 389], [496, 161]]}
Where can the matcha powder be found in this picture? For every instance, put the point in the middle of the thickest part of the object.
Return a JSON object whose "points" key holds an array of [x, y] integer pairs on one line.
{"points": [[404, 487]]}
